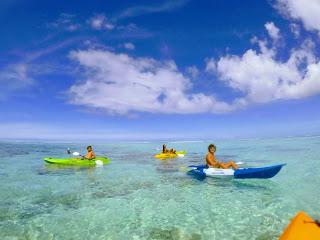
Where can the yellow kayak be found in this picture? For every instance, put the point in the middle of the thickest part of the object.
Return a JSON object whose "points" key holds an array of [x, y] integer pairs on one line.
{"points": [[302, 227], [170, 155]]}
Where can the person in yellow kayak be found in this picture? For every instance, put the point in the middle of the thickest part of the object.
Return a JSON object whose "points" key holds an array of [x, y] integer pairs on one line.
{"points": [[90, 153], [213, 162], [165, 150]]}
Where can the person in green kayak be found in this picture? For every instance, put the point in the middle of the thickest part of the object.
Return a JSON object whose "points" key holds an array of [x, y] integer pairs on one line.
{"points": [[213, 162], [90, 153], [165, 150]]}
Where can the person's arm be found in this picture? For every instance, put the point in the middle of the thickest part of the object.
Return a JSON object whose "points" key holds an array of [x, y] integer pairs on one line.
{"points": [[93, 155]]}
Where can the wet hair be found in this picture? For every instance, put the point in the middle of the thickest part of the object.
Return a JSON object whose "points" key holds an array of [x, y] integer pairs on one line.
{"points": [[89, 147], [212, 145]]}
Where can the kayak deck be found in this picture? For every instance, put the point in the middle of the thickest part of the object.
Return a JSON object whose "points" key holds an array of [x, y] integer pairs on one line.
{"points": [[262, 172], [203, 171], [302, 227], [77, 161], [169, 155]]}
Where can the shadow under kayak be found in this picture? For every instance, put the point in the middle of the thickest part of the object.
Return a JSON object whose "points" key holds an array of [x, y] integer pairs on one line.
{"points": [[203, 171], [78, 161]]}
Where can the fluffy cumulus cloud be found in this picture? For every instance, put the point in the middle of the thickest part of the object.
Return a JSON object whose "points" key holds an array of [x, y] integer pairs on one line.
{"points": [[262, 78], [273, 31], [193, 71], [305, 11], [211, 65], [120, 84], [100, 22]]}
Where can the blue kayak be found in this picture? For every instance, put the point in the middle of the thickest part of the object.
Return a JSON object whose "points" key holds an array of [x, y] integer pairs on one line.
{"points": [[203, 171]]}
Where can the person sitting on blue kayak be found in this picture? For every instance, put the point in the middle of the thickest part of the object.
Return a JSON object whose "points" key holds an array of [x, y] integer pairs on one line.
{"points": [[165, 150], [90, 153], [213, 162]]}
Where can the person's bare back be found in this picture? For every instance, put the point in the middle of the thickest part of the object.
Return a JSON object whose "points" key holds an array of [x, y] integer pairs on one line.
{"points": [[90, 154]]}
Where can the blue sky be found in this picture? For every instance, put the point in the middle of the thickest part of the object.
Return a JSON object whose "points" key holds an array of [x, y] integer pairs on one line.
{"points": [[159, 69]]}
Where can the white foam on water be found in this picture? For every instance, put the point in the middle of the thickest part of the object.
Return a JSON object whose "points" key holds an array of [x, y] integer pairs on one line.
{"points": [[99, 163]]}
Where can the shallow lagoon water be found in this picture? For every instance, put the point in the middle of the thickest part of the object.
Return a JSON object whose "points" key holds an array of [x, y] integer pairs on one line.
{"points": [[140, 197]]}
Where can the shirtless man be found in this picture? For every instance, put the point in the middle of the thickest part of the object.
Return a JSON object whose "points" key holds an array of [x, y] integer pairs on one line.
{"points": [[213, 162], [165, 150], [90, 154]]}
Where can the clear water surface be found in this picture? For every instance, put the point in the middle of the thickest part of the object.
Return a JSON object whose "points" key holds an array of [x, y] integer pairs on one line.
{"points": [[139, 197]]}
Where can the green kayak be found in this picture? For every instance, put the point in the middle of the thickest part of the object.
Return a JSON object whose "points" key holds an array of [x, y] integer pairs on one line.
{"points": [[78, 161]]}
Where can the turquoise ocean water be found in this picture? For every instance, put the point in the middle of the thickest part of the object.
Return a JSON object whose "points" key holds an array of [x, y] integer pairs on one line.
{"points": [[140, 197]]}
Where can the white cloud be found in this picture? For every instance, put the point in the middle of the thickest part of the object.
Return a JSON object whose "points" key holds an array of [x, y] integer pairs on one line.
{"points": [[273, 31], [22, 74], [295, 29], [65, 22], [305, 11], [144, 9], [73, 27], [100, 22], [129, 46], [132, 31], [16, 72], [263, 45], [211, 65], [262, 78], [14, 77], [193, 71], [120, 84]]}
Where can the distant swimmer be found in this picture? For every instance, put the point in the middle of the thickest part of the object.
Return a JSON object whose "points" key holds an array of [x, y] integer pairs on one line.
{"points": [[165, 150], [90, 153], [213, 162]]}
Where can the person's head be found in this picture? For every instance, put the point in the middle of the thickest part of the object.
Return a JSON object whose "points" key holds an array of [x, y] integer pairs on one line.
{"points": [[212, 148], [164, 148], [89, 148]]}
